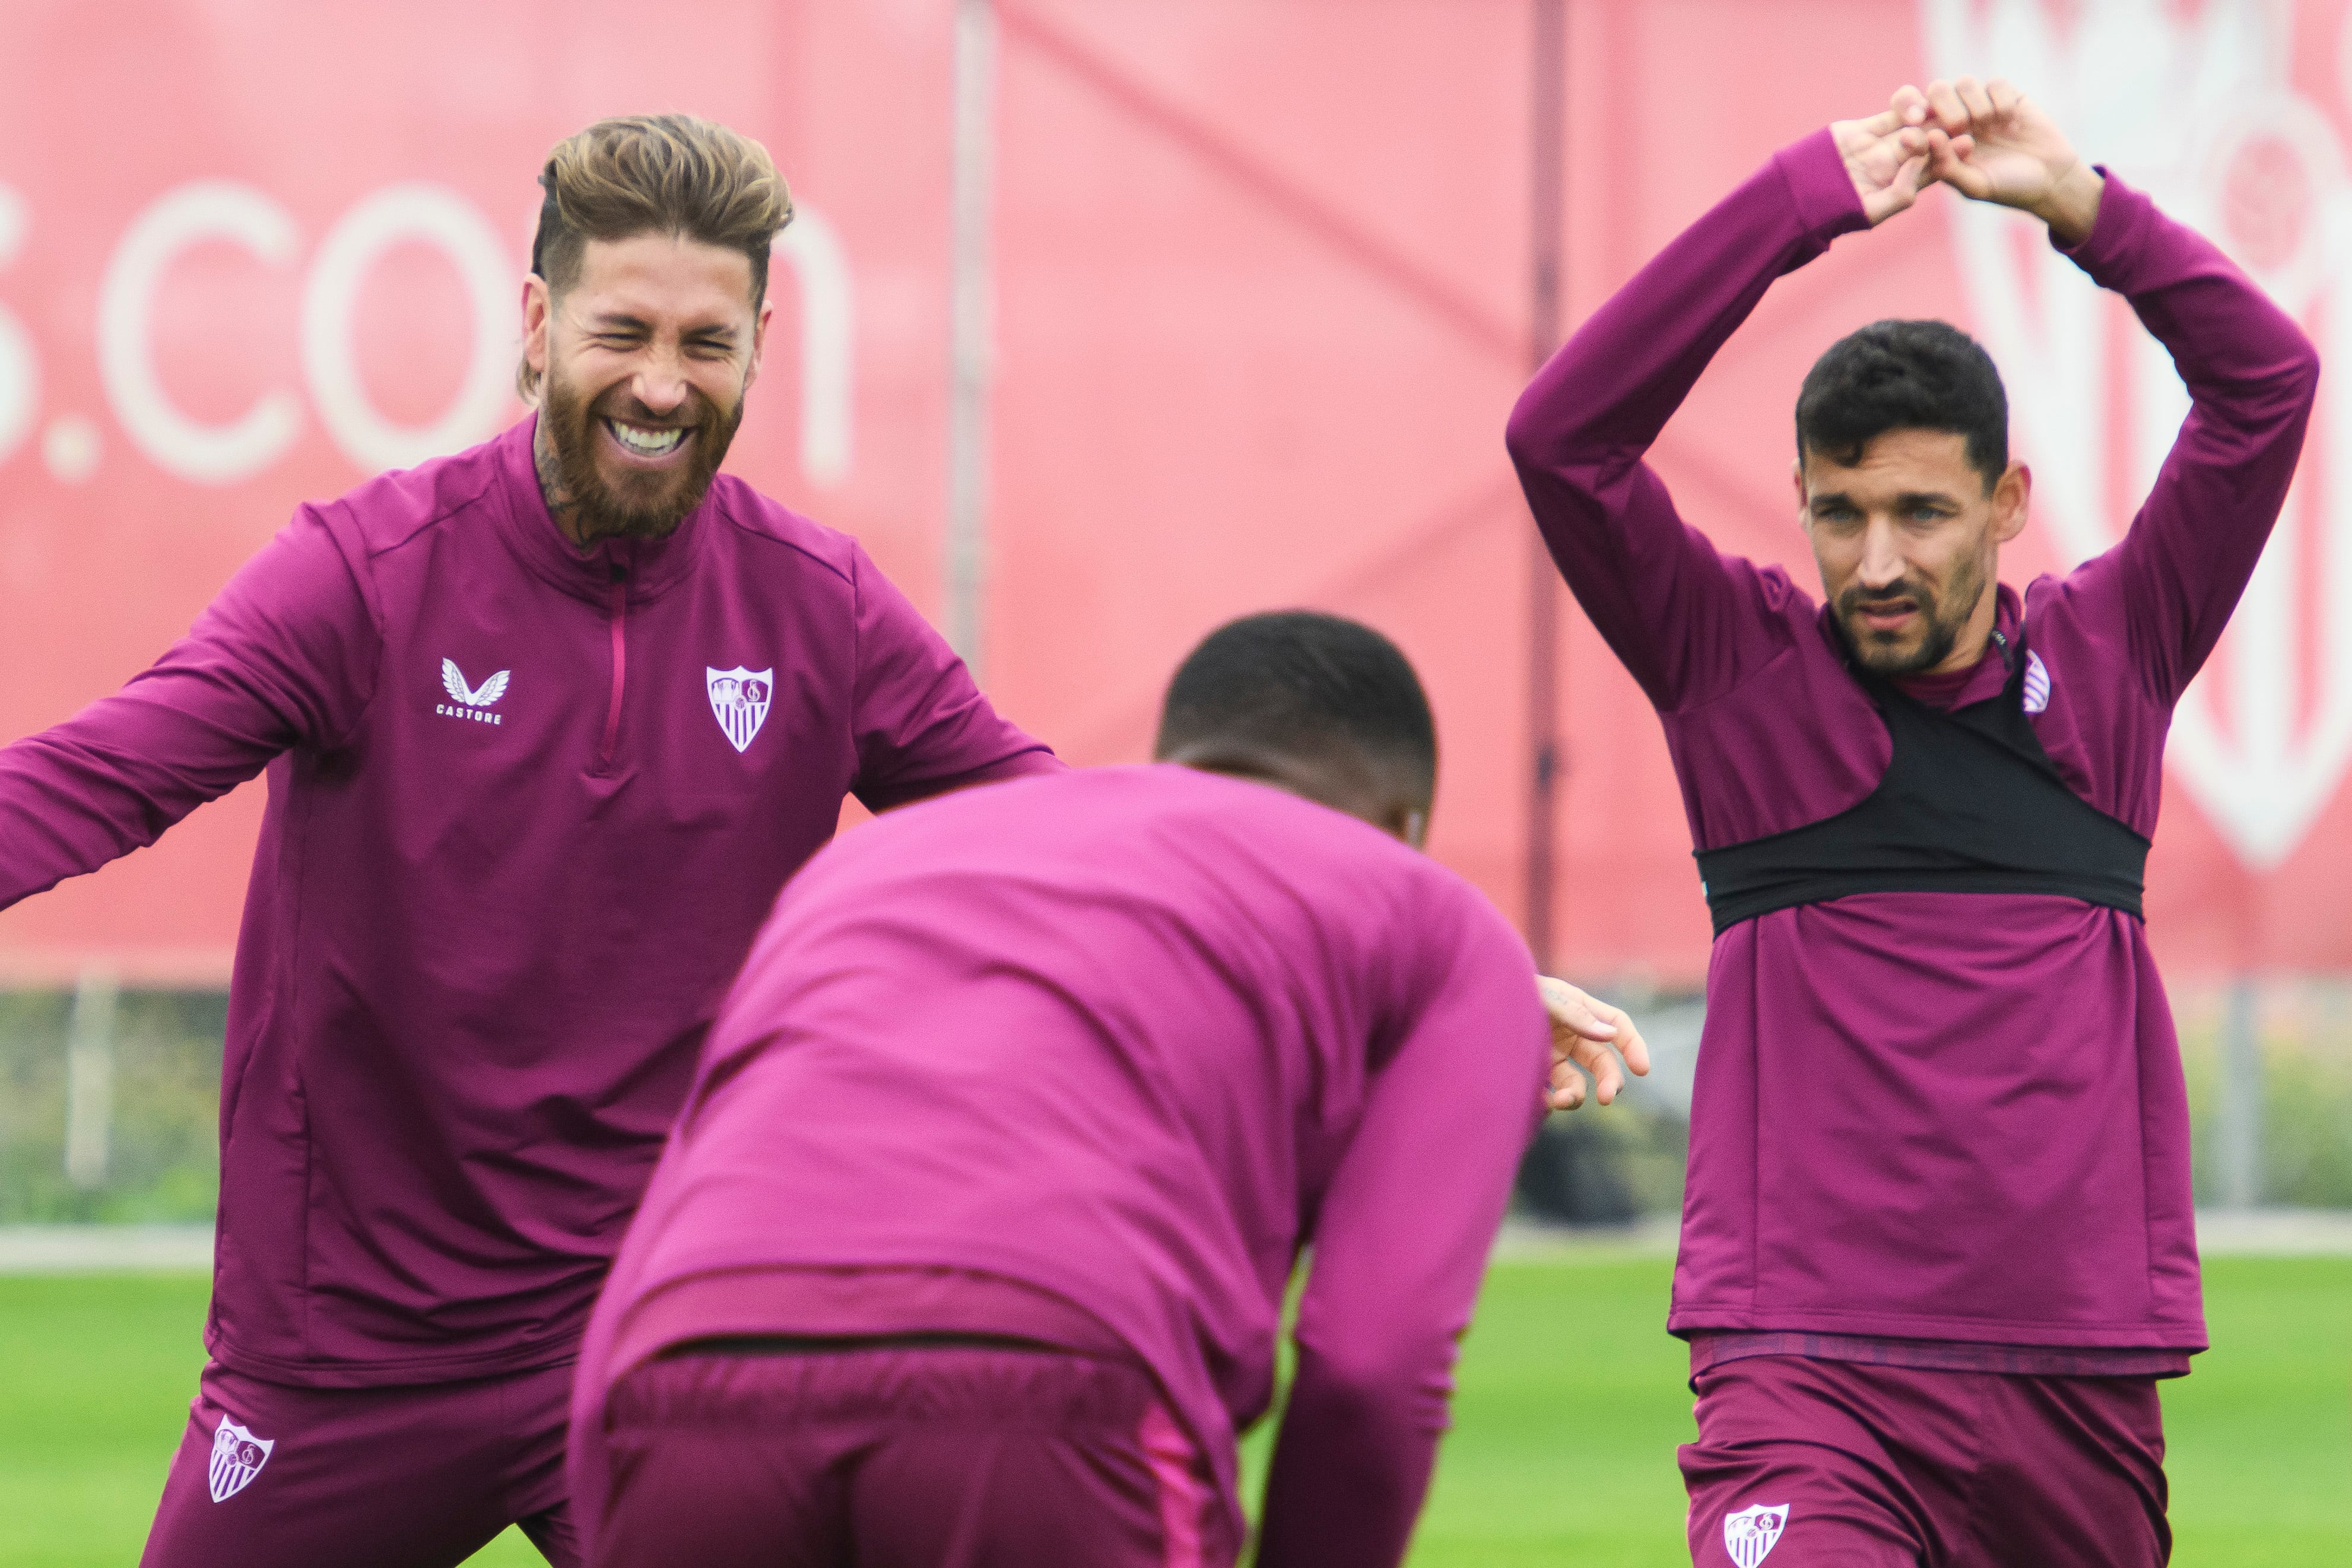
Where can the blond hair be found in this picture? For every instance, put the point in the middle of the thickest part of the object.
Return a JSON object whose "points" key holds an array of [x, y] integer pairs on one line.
{"points": [[655, 174]]}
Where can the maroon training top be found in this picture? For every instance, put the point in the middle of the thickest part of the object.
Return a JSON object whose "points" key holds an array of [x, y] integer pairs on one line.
{"points": [[526, 808], [1125, 1039], [1951, 1117]]}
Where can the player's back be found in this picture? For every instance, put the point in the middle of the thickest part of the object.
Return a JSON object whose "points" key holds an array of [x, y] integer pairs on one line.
{"points": [[1107, 1034]]}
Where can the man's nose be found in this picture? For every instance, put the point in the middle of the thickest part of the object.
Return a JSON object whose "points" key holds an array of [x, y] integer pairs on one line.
{"points": [[660, 383], [1882, 557]]}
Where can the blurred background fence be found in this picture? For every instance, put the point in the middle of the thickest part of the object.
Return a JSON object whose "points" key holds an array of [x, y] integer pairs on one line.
{"points": [[109, 1100]]}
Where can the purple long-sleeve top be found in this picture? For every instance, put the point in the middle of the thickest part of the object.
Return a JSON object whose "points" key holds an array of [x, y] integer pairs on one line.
{"points": [[1126, 1040], [527, 809], [1941, 1117]]}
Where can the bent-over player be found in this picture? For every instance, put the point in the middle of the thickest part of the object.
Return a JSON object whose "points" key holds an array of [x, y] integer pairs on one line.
{"points": [[547, 725], [1936, 1243], [970, 1244]]}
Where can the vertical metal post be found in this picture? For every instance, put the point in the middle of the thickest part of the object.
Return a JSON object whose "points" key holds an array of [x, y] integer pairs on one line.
{"points": [[971, 324], [89, 1077], [2238, 1120], [1548, 163]]}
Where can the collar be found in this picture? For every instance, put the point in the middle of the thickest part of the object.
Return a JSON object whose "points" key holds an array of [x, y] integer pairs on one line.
{"points": [[649, 566]]}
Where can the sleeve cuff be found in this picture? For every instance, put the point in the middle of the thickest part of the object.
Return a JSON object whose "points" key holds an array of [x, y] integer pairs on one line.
{"points": [[2123, 217], [1824, 196]]}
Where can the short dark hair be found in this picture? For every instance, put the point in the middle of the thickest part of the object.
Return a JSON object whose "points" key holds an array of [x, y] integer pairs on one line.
{"points": [[1904, 375], [1303, 683]]}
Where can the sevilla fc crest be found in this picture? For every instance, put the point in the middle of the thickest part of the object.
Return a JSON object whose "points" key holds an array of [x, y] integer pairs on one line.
{"points": [[237, 1458], [739, 700], [1750, 1534]]}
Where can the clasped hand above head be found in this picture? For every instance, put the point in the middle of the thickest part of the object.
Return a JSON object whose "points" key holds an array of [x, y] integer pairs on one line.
{"points": [[1583, 1030], [1986, 139]]}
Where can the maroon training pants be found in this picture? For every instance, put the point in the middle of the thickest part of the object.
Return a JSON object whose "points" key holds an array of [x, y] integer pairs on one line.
{"points": [[900, 1456], [1815, 1463]]}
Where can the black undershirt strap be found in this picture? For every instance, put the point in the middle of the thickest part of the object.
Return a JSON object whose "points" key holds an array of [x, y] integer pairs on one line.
{"points": [[1970, 803]]}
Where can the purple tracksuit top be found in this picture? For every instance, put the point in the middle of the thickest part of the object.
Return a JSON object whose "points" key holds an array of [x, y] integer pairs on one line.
{"points": [[1129, 1038], [527, 809], [1952, 1117]]}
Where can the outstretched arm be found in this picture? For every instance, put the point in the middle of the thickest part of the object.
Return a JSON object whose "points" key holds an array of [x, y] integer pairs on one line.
{"points": [[922, 727], [2251, 374], [286, 654], [1400, 1239], [1677, 614]]}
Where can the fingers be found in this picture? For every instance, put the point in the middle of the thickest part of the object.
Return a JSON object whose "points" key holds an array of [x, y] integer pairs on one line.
{"points": [[1947, 161], [1908, 106], [1975, 99], [1945, 110], [1571, 1010], [1584, 1030], [2004, 94], [1567, 1088]]}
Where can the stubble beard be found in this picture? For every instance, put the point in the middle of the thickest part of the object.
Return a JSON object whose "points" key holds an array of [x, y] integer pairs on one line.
{"points": [[575, 487], [1943, 633]]}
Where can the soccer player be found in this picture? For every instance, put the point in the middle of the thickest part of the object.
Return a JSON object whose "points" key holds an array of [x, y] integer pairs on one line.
{"points": [[1936, 1243], [970, 1244], [547, 725]]}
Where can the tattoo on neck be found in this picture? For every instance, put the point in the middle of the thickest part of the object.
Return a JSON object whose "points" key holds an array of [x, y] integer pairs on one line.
{"points": [[551, 473]]}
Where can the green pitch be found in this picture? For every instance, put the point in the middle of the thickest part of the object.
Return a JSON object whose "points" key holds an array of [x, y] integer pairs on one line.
{"points": [[1562, 1453]]}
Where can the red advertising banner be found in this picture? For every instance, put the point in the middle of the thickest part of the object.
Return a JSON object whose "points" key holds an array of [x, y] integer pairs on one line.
{"points": [[1258, 287]]}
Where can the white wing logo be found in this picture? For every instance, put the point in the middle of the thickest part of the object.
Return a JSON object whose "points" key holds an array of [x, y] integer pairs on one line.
{"points": [[489, 692]]}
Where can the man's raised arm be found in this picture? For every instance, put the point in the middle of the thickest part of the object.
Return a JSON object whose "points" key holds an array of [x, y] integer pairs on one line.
{"points": [[1668, 604], [286, 654], [2251, 374]]}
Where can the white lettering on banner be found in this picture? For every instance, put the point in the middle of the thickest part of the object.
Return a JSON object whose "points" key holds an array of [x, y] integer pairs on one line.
{"points": [[411, 211], [442, 218], [180, 218], [20, 371], [813, 248], [2195, 106]]}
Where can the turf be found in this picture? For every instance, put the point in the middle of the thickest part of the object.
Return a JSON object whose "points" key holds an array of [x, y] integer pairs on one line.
{"points": [[1570, 1407]]}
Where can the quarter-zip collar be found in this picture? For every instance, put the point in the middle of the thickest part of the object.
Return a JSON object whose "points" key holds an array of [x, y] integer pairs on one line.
{"points": [[649, 567]]}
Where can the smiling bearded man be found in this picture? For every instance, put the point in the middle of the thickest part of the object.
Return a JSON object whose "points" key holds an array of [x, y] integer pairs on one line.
{"points": [[479, 957]]}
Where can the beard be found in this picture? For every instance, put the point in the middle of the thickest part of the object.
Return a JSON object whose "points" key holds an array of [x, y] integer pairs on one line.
{"points": [[643, 505], [1943, 625]]}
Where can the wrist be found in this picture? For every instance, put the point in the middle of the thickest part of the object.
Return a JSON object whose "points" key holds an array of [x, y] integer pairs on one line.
{"points": [[2071, 205]]}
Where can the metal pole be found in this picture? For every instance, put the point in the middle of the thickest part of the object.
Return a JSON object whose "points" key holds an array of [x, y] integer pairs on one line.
{"points": [[2238, 1120], [89, 1077], [1547, 162], [971, 325]]}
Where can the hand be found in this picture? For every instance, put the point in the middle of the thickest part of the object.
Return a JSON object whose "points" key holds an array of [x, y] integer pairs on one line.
{"points": [[1992, 144], [1583, 1030], [1886, 156]]}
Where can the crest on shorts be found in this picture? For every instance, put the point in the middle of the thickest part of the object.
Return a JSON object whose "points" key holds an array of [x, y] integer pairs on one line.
{"points": [[1750, 1534], [2209, 110], [237, 1458], [738, 700]]}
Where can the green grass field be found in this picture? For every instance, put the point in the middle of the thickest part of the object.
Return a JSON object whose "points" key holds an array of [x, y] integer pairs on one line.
{"points": [[1571, 1404]]}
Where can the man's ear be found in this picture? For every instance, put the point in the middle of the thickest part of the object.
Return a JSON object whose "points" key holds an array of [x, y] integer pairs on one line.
{"points": [[1797, 478], [2012, 495], [758, 342], [537, 307]]}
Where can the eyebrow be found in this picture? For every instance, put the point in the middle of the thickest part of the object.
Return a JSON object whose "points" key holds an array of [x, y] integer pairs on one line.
{"points": [[1907, 499]]}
